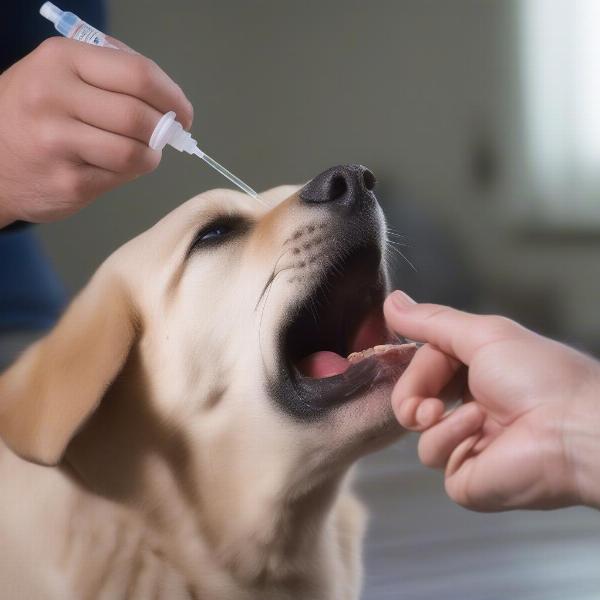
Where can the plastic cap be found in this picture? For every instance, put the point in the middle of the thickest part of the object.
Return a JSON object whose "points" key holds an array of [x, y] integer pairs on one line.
{"points": [[51, 12], [169, 131]]}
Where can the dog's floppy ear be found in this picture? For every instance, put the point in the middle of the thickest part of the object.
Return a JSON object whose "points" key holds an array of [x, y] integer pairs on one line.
{"points": [[47, 394]]}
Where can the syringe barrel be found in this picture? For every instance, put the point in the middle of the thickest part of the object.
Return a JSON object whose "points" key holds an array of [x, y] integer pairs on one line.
{"points": [[66, 23], [71, 26]]}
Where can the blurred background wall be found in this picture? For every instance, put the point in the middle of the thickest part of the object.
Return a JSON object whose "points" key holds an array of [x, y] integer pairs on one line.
{"points": [[429, 94]]}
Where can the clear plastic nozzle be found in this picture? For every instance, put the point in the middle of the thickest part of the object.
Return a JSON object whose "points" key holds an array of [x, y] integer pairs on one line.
{"points": [[169, 131], [221, 169]]}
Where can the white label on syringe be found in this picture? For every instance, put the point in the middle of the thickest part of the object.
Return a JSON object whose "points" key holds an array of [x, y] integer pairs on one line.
{"points": [[88, 34]]}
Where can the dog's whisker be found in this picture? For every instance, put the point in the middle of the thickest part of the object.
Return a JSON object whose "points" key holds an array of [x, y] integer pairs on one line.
{"points": [[392, 231], [396, 243], [271, 278], [395, 258], [397, 235], [387, 261], [262, 314], [402, 255], [267, 290], [266, 294]]}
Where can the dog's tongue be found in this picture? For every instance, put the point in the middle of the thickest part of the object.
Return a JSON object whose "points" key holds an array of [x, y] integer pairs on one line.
{"points": [[327, 364], [323, 364]]}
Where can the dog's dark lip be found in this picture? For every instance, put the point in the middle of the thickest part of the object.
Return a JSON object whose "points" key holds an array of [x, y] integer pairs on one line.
{"points": [[332, 391], [362, 375]]}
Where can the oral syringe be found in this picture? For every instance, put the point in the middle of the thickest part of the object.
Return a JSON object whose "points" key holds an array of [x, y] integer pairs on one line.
{"points": [[167, 130]]}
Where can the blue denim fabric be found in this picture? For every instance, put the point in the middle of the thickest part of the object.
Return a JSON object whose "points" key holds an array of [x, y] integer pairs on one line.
{"points": [[31, 296]]}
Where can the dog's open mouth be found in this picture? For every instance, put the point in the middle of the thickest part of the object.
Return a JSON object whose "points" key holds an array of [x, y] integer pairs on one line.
{"points": [[337, 344]]}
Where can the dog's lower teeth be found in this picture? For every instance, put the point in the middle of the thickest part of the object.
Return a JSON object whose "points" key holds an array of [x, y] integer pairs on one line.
{"points": [[380, 349], [383, 348], [356, 356]]}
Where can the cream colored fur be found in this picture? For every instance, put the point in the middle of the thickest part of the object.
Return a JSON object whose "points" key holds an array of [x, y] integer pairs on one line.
{"points": [[175, 474]]}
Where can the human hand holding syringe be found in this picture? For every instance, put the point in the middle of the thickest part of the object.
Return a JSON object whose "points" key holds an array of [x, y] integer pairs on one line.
{"points": [[76, 121], [168, 130]]}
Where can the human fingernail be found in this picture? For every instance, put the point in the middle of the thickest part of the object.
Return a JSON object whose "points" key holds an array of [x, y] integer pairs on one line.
{"points": [[401, 300]]}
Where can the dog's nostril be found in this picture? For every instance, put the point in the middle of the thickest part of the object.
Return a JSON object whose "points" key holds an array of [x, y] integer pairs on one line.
{"points": [[337, 187], [369, 180]]}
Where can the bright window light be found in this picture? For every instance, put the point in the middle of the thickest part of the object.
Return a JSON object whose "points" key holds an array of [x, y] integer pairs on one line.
{"points": [[561, 81]]}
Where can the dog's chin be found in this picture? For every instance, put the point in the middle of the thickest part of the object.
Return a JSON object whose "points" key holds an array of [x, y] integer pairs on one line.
{"points": [[360, 426], [364, 425]]}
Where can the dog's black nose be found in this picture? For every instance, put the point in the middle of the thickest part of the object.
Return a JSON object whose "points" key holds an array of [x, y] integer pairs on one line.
{"points": [[346, 185]]}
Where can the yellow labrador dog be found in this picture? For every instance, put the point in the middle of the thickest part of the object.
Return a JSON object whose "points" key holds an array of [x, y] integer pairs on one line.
{"points": [[197, 410]]}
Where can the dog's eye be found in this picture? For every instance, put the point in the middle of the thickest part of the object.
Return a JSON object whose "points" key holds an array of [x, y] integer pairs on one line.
{"points": [[215, 232], [218, 231]]}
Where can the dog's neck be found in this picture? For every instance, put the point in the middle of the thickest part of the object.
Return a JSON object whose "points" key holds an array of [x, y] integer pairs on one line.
{"points": [[262, 534]]}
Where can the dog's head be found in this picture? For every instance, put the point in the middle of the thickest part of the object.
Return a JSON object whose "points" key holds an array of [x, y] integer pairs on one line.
{"points": [[241, 317]]}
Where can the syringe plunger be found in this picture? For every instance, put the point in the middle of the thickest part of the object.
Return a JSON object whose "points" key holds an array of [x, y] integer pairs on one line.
{"points": [[51, 12]]}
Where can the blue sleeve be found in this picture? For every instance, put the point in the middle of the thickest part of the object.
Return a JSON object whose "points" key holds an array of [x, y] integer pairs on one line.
{"points": [[31, 295]]}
